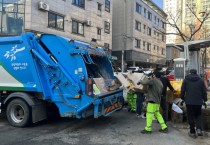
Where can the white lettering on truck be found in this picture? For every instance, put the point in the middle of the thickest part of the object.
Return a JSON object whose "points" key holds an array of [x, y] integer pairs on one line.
{"points": [[11, 54]]}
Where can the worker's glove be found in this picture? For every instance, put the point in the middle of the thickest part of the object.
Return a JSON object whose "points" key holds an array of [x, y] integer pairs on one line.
{"points": [[205, 105], [182, 102]]}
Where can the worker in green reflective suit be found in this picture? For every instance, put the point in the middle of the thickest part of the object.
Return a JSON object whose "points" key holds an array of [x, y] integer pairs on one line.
{"points": [[155, 88]]}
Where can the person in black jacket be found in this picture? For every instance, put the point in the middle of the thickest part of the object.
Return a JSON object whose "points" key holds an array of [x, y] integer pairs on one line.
{"points": [[193, 92], [166, 83]]}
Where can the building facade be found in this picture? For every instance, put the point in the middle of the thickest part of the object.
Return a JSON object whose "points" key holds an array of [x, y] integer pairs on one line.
{"points": [[172, 53], [137, 33], [84, 20]]}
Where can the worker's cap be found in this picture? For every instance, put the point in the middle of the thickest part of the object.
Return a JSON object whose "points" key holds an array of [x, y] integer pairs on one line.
{"points": [[193, 71]]}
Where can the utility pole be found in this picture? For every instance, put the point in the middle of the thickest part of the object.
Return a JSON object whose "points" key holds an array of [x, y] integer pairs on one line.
{"points": [[124, 37], [122, 64]]}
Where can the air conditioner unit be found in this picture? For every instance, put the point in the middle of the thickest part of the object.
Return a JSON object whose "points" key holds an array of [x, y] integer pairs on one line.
{"points": [[88, 22], [44, 6]]}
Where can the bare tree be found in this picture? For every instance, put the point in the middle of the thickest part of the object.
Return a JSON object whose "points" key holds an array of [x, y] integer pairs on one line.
{"points": [[193, 27]]}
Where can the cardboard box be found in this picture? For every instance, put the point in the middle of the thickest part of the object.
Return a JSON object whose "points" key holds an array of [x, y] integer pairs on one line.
{"points": [[135, 78], [100, 84], [123, 80], [106, 85], [170, 96], [206, 118], [112, 84], [176, 117]]}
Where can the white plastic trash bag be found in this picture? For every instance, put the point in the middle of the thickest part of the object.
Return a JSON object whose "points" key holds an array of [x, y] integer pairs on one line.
{"points": [[177, 100], [176, 108]]}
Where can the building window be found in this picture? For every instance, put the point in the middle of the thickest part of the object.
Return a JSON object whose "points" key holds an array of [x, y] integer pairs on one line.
{"points": [[157, 35], [99, 9], [148, 46], [163, 37], [55, 21], [138, 8], [144, 45], [79, 3], [106, 46], [99, 33], [106, 27], [149, 31], [144, 28], [163, 51], [77, 27], [155, 19], [158, 21], [137, 43], [145, 12], [163, 25], [107, 5], [150, 16], [12, 15], [138, 26], [154, 47]]}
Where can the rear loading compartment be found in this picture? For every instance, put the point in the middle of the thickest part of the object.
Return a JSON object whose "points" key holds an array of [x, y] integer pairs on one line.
{"points": [[103, 86], [100, 73]]}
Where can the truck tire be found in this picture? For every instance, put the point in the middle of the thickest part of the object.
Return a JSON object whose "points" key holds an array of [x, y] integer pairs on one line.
{"points": [[18, 113]]}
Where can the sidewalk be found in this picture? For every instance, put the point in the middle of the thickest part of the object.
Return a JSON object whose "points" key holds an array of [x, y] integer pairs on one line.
{"points": [[177, 135]]}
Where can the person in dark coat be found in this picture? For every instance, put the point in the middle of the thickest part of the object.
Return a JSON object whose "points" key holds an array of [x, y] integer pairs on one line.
{"points": [[193, 92], [166, 83]]}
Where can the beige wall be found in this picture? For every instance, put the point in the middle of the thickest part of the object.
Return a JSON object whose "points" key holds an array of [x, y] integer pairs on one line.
{"points": [[37, 20], [124, 18]]}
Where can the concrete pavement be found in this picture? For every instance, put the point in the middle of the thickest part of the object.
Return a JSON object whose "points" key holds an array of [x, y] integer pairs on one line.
{"points": [[121, 128]]}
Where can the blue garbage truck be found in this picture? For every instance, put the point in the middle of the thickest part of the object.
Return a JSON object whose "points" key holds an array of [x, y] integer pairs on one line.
{"points": [[36, 71]]}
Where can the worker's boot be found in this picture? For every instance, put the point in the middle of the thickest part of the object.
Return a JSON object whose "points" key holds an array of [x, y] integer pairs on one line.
{"points": [[193, 135], [165, 130], [199, 132], [146, 132]]}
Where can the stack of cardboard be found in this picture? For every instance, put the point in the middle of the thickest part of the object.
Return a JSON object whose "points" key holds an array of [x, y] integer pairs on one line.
{"points": [[130, 80], [106, 85], [100, 84], [122, 78], [135, 78], [171, 96], [176, 117]]}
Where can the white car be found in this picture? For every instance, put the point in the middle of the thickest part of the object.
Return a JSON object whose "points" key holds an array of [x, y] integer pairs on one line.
{"points": [[134, 69]]}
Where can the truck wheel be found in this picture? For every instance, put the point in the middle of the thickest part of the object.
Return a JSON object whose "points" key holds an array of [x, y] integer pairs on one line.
{"points": [[18, 113]]}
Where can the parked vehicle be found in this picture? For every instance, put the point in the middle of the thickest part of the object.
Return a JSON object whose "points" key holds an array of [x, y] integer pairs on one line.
{"points": [[169, 69], [135, 69], [170, 76], [147, 71], [50, 69]]}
